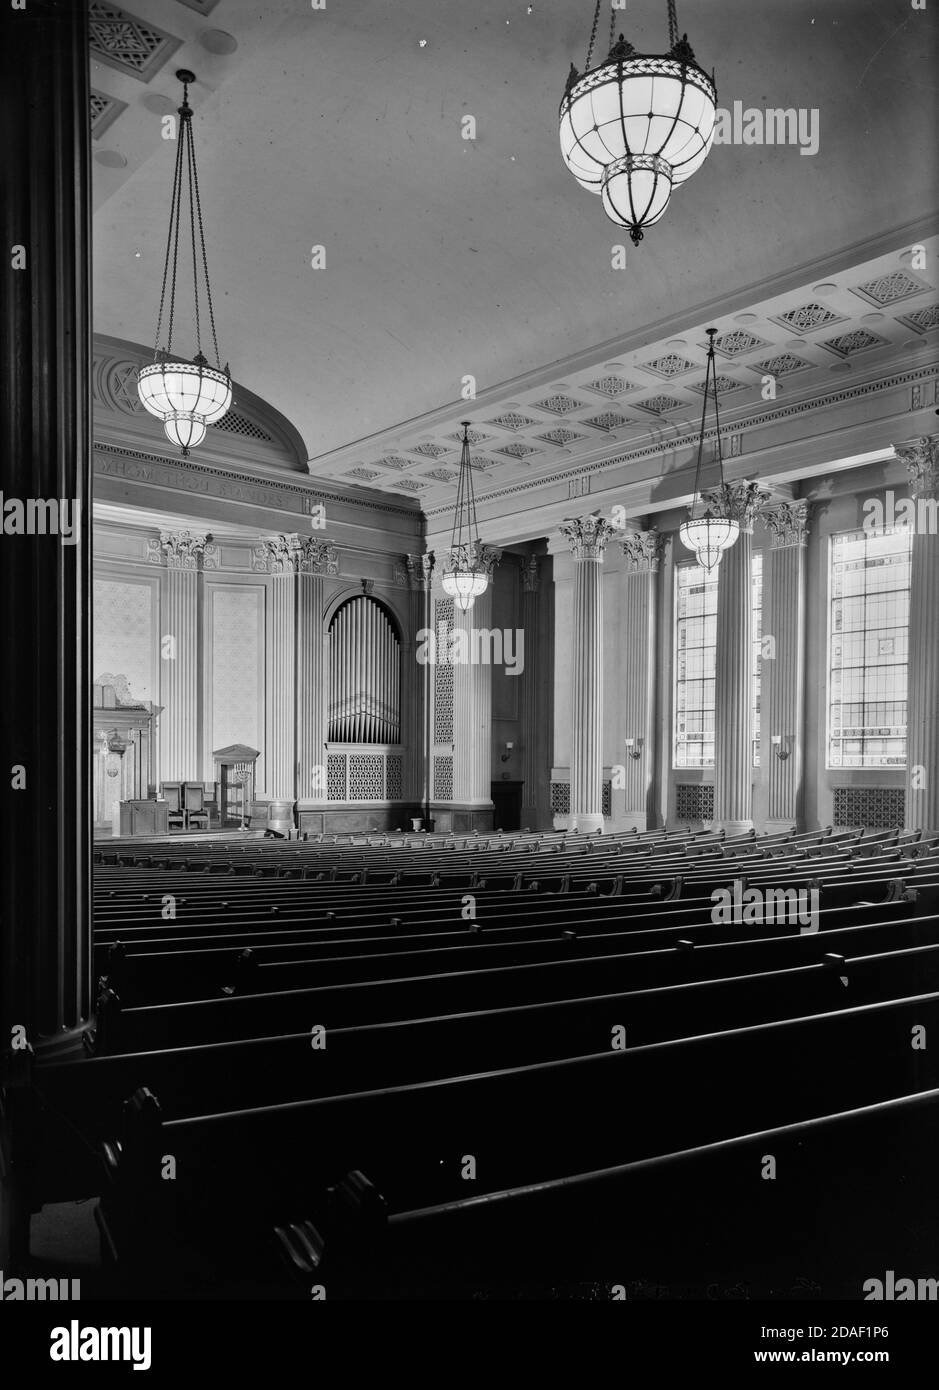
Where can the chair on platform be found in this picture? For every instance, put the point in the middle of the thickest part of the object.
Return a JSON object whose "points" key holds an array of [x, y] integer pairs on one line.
{"points": [[172, 793], [194, 806], [212, 804]]}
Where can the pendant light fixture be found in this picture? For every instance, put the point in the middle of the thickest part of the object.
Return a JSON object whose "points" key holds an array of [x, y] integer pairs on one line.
{"points": [[637, 126], [186, 395], [466, 573], [709, 532]]}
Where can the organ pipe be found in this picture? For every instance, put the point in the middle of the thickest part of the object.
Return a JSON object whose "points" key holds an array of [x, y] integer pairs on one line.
{"points": [[364, 675]]}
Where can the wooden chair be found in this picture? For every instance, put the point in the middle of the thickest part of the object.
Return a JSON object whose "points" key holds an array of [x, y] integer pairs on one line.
{"points": [[194, 805], [172, 793]]}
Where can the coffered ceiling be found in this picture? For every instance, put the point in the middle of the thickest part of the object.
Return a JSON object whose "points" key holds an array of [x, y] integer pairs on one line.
{"points": [[448, 258]]}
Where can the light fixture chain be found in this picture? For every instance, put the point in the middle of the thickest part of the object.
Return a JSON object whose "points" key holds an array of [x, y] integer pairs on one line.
{"points": [[192, 229], [593, 36], [178, 199], [166, 258], [672, 24], [205, 262], [612, 26]]}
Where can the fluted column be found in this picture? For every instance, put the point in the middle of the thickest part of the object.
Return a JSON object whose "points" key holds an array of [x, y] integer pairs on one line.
{"points": [[416, 686], [587, 537], [45, 585], [278, 556], [783, 663], [733, 685], [316, 559], [922, 754], [180, 666], [642, 552], [472, 701], [532, 691]]}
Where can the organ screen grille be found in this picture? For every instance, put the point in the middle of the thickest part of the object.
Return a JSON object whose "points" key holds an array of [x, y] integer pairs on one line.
{"points": [[364, 675]]}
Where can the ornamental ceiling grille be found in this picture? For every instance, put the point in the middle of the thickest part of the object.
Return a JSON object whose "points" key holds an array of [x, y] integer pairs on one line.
{"points": [[364, 675]]}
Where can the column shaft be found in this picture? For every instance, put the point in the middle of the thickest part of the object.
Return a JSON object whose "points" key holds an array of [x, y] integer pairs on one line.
{"points": [[922, 757], [179, 668], [45, 587], [472, 712], [733, 690], [639, 636], [783, 665], [311, 687], [531, 693], [587, 537], [281, 687]]}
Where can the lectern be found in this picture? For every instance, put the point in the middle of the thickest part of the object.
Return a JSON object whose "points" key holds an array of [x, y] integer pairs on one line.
{"points": [[234, 773]]}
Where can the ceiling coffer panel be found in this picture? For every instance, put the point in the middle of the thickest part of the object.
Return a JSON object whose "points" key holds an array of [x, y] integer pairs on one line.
{"points": [[126, 43]]}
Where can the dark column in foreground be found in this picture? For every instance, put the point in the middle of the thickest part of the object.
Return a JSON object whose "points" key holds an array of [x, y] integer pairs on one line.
{"points": [[45, 958]]}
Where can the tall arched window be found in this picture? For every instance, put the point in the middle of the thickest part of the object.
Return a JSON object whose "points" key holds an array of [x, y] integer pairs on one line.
{"points": [[364, 674]]}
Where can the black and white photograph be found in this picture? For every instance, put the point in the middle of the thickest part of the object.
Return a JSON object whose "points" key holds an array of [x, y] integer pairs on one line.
{"points": [[469, 727]]}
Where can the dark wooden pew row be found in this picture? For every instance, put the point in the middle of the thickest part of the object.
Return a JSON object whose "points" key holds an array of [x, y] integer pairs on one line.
{"points": [[246, 1170], [674, 958], [180, 973], [699, 1224], [366, 1054], [226, 1018]]}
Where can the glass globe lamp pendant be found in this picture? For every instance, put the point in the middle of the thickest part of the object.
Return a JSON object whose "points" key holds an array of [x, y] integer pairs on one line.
{"points": [[186, 395], [465, 575], [637, 126], [708, 532]]}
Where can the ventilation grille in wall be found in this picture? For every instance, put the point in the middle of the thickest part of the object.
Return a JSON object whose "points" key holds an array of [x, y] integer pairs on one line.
{"points": [[443, 677], [366, 777], [875, 808], [694, 801], [363, 776], [443, 779], [336, 777], [393, 778], [240, 424], [561, 799]]}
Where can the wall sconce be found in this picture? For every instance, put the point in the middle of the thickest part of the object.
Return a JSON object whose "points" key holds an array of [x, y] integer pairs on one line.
{"points": [[508, 752], [634, 747], [781, 753]]}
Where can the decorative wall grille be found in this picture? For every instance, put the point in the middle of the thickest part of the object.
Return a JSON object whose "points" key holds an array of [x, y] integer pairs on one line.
{"points": [[443, 778], [366, 777], [393, 777], [561, 799], [335, 777], [694, 801], [240, 424], [443, 675], [875, 808]]}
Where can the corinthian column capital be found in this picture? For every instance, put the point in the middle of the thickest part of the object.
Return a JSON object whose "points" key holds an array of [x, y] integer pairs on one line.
{"points": [[317, 556], [740, 501], [922, 464], [788, 522], [182, 550], [643, 550], [587, 535], [278, 554]]}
